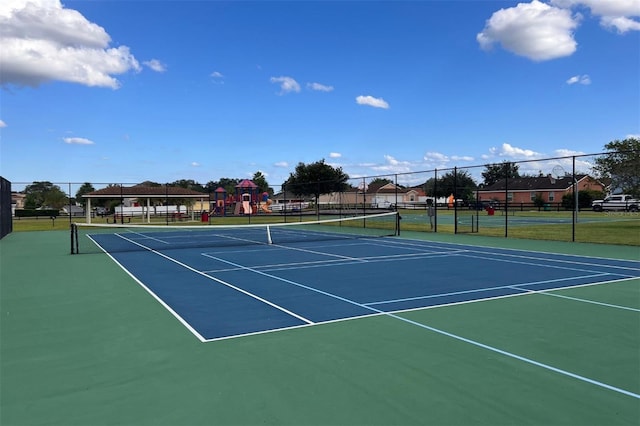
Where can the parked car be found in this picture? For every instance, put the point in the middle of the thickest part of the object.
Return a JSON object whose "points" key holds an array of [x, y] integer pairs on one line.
{"points": [[620, 202]]}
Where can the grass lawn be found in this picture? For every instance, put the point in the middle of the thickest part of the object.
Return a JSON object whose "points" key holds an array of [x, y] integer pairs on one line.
{"points": [[592, 227]]}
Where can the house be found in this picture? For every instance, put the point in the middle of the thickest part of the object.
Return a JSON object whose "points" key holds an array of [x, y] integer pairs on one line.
{"points": [[527, 189], [379, 195], [391, 194], [17, 201]]}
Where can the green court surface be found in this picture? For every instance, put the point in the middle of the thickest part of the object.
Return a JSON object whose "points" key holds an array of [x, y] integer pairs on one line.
{"points": [[82, 343]]}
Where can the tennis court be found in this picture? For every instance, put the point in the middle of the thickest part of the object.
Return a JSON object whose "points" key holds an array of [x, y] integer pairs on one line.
{"points": [[322, 330]]}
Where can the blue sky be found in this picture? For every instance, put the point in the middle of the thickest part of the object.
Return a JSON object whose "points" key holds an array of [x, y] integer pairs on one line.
{"points": [[127, 91]]}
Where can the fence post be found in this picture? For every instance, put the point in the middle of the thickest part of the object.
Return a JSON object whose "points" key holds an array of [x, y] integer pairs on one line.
{"points": [[506, 206]]}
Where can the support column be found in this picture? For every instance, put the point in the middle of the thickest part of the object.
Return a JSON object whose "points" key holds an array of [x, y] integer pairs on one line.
{"points": [[88, 212]]}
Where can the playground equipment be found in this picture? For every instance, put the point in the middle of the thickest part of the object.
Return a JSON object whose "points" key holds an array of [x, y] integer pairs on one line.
{"points": [[220, 196], [266, 203], [246, 198], [246, 203]]}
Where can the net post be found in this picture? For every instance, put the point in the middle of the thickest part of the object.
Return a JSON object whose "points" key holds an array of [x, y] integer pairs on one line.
{"points": [[74, 239]]}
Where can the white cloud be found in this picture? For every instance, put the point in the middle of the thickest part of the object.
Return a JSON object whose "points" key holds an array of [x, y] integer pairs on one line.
{"points": [[617, 14], [78, 141], [620, 23], [435, 157], [156, 65], [579, 79], [43, 41], [319, 87], [281, 164], [335, 155], [461, 158], [534, 30], [564, 152], [2, 124], [287, 84], [393, 165], [217, 77], [195, 164], [371, 101], [506, 150]]}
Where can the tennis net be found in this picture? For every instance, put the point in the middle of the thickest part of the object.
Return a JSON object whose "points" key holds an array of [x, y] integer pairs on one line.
{"points": [[112, 238]]}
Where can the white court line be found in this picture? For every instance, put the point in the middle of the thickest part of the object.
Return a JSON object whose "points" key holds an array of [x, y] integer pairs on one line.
{"points": [[546, 256], [155, 296], [146, 237], [546, 265], [445, 333], [548, 292], [479, 290], [254, 296], [364, 259], [329, 263], [424, 326]]}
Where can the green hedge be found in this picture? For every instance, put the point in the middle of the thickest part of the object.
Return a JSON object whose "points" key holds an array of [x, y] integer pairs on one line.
{"points": [[35, 213]]}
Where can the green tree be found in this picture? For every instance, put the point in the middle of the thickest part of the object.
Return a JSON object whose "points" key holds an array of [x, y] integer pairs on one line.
{"points": [[458, 182], [228, 184], [145, 183], [44, 194], [188, 184], [315, 179], [84, 189], [538, 201], [430, 187], [263, 186], [585, 197], [621, 164], [379, 182], [496, 172]]}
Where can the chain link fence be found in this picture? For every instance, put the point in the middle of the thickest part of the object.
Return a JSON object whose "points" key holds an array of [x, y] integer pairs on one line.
{"points": [[549, 199]]}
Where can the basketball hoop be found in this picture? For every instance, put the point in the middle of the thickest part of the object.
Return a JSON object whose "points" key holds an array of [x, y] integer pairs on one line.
{"points": [[556, 173]]}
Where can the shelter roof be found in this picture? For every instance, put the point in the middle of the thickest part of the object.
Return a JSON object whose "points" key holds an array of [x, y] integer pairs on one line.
{"points": [[140, 191]]}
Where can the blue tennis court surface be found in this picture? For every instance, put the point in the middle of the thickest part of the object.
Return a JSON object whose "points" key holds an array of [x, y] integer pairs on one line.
{"points": [[240, 290]]}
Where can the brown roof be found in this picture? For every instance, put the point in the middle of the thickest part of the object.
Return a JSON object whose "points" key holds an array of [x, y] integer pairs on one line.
{"points": [[535, 183], [145, 192]]}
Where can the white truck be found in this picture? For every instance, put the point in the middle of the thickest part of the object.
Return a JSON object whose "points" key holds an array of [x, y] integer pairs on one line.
{"points": [[620, 202]]}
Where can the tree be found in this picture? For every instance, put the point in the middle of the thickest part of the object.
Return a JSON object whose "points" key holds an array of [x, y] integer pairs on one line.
{"points": [[316, 179], [430, 187], [84, 189], [44, 194], [379, 182], [461, 184], [188, 184], [585, 198], [621, 164], [146, 183], [458, 182], [261, 180], [496, 172], [227, 184]]}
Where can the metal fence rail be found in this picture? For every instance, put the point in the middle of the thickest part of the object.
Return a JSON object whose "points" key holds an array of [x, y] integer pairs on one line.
{"points": [[549, 198]]}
